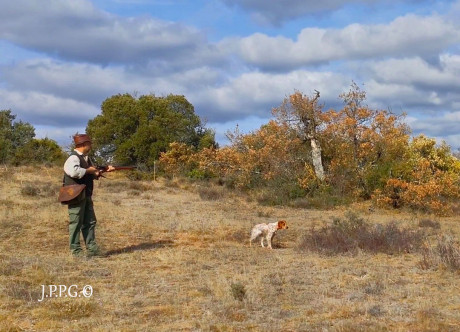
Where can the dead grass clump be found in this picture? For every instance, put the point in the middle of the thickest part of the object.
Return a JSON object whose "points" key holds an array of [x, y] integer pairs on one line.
{"points": [[40, 190], [114, 185], [116, 202], [375, 311], [240, 236], [269, 198], [264, 213], [429, 223], [7, 324], [134, 193], [7, 204], [30, 190], [300, 203], [10, 267], [10, 229], [49, 190], [159, 313], [374, 288], [4, 174], [63, 309], [138, 186], [446, 253], [353, 233], [22, 290], [210, 193], [325, 201], [238, 291], [136, 175]]}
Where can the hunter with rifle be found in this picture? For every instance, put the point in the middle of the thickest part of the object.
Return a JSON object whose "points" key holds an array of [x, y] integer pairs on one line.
{"points": [[76, 192]]}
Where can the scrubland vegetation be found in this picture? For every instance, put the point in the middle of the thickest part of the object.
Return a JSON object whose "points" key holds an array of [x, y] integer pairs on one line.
{"points": [[309, 157], [372, 243], [177, 258]]}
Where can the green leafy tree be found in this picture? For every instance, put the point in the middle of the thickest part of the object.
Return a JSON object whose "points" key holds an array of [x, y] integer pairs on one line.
{"points": [[13, 135], [6, 120], [40, 151], [134, 130]]}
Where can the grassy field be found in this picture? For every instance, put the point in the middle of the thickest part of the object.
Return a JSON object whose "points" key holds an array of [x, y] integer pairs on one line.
{"points": [[178, 259]]}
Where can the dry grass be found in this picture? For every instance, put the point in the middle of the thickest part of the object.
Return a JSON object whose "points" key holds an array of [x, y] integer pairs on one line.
{"points": [[178, 262], [446, 254], [353, 233]]}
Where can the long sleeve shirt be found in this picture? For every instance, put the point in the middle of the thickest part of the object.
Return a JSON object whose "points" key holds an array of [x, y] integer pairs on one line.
{"points": [[72, 166]]}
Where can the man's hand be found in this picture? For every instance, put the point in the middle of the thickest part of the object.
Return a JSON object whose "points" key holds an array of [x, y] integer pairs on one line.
{"points": [[110, 168], [92, 170]]}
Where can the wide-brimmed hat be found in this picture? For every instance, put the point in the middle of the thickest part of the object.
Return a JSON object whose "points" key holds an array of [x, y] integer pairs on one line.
{"points": [[81, 138]]}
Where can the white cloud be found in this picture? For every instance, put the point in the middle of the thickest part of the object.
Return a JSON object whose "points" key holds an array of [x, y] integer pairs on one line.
{"points": [[416, 71], [412, 84], [409, 35], [62, 135], [215, 96], [443, 126], [257, 93], [78, 55], [277, 12], [76, 30], [45, 109]]}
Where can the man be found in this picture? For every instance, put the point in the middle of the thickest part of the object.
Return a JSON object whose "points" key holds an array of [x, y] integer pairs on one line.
{"points": [[78, 169]]}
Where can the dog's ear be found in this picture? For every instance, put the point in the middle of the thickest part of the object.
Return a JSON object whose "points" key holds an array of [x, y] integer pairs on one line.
{"points": [[282, 224]]}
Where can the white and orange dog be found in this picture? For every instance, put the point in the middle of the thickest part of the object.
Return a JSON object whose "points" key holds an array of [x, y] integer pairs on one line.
{"points": [[266, 231]]}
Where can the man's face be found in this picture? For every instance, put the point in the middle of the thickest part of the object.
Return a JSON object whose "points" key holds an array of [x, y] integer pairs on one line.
{"points": [[87, 147]]}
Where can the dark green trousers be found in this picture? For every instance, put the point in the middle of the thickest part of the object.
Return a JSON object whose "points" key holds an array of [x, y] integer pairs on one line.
{"points": [[82, 219]]}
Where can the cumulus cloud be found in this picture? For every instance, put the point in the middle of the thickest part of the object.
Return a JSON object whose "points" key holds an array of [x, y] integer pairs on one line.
{"points": [[257, 93], [415, 71], [216, 97], [76, 30], [443, 127], [414, 85], [405, 36], [91, 83], [79, 55], [78, 81], [46, 109], [278, 12]]}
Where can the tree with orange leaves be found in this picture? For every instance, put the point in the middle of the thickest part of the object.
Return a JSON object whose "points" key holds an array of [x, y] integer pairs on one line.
{"points": [[304, 115], [362, 144]]}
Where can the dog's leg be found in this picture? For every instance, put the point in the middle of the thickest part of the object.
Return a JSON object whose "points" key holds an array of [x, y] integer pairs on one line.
{"points": [[269, 241], [262, 241], [254, 236]]}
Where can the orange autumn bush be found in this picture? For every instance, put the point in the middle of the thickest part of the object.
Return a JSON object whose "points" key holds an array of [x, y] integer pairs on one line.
{"points": [[270, 159], [179, 159], [362, 145], [351, 154], [428, 179]]}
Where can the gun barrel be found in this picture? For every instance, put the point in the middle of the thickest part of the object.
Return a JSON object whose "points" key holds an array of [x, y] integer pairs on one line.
{"points": [[104, 168]]}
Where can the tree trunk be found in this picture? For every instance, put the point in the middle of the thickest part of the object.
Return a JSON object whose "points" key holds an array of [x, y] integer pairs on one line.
{"points": [[316, 157]]}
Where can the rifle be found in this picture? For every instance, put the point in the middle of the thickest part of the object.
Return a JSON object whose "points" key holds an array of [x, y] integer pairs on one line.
{"points": [[104, 168]]}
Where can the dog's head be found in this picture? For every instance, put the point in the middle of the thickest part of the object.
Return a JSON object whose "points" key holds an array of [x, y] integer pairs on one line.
{"points": [[282, 224]]}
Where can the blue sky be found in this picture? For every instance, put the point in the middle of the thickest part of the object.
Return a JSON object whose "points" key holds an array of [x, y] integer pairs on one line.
{"points": [[234, 60]]}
